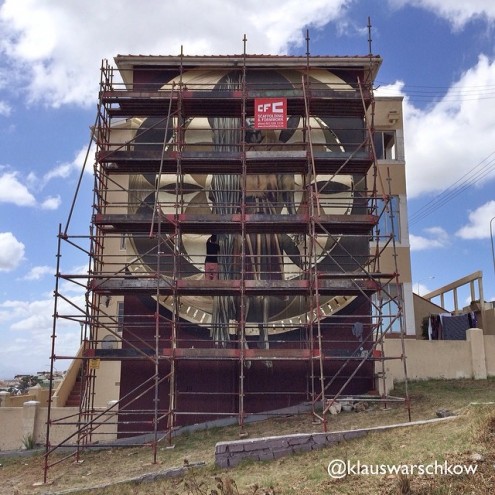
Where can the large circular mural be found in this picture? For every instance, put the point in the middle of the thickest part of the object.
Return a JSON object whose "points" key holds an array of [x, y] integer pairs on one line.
{"points": [[268, 256]]}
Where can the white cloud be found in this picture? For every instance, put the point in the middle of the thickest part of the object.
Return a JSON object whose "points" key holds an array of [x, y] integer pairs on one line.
{"points": [[436, 237], [11, 252], [51, 203], [420, 288], [447, 140], [60, 52], [61, 171], [17, 190], [479, 223], [66, 169], [38, 272], [13, 191], [37, 29], [28, 326], [17, 314], [5, 109], [456, 12]]}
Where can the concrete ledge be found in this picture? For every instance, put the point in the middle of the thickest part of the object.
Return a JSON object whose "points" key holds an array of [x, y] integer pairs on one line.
{"points": [[230, 454], [173, 472]]}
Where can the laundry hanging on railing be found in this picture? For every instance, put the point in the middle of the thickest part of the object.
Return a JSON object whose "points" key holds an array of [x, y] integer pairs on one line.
{"points": [[446, 326]]}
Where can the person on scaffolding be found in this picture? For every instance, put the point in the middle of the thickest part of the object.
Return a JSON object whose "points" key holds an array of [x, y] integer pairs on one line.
{"points": [[211, 260]]}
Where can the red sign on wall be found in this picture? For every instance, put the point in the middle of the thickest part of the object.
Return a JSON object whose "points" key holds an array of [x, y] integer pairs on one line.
{"points": [[270, 113]]}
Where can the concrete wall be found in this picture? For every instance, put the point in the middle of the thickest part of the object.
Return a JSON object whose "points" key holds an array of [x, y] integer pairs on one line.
{"points": [[35, 393], [19, 423], [107, 383], [66, 417], [489, 321], [11, 421], [490, 354], [448, 359]]}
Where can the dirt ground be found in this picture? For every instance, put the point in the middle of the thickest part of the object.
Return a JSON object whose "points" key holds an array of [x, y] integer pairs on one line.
{"points": [[473, 432]]}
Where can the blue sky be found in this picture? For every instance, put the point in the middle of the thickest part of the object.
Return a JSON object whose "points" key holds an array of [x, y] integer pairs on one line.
{"points": [[438, 54]]}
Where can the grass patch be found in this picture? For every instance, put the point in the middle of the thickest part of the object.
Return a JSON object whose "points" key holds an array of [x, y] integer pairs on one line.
{"points": [[467, 440], [28, 442]]}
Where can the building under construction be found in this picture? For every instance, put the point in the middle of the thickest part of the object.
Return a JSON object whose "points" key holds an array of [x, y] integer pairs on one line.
{"points": [[245, 246]]}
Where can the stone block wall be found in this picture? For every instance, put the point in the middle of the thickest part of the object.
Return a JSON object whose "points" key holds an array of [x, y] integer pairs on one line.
{"points": [[229, 454]]}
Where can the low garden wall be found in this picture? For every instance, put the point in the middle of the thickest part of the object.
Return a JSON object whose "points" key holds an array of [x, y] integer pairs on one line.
{"points": [[230, 454]]}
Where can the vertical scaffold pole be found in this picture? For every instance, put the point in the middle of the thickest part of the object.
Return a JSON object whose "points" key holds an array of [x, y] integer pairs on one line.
{"points": [[242, 316], [52, 356]]}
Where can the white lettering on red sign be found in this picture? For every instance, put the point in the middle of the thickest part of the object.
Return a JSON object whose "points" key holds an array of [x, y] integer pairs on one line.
{"points": [[276, 107], [270, 113]]}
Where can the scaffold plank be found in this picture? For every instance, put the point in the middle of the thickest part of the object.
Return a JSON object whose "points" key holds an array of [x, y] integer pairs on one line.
{"points": [[221, 102], [129, 285], [253, 223], [296, 161]]}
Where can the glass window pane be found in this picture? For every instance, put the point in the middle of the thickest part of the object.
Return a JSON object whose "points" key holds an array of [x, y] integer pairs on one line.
{"points": [[120, 316], [389, 222]]}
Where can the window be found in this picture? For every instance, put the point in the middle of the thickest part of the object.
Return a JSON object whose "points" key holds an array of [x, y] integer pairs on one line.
{"points": [[389, 212], [120, 316], [385, 145], [109, 342], [390, 304]]}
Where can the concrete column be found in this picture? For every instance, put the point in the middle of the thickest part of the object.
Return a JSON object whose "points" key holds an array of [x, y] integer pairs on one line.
{"points": [[29, 413], [35, 391], [385, 388], [4, 397], [476, 340], [113, 407]]}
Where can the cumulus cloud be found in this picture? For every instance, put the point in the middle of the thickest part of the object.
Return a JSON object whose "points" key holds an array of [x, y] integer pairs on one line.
{"points": [[27, 327], [20, 191], [11, 252], [60, 67], [5, 109], [43, 47], [13, 191], [420, 288], [434, 238], [66, 169], [39, 35], [458, 13], [51, 203], [436, 138], [479, 222], [38, 272]]}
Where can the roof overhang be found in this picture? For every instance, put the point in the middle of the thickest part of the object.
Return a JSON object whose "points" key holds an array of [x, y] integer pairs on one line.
{"points": [[368, 64]]}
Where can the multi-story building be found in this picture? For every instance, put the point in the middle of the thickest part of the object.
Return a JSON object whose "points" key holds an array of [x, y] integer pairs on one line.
{"points": [[249, 245]]}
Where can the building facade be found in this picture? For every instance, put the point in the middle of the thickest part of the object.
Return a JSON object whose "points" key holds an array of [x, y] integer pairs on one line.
{"points": [[249, 246]]}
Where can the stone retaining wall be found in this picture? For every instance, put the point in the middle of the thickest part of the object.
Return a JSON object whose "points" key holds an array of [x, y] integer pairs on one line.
{"points": [[229, 454]]}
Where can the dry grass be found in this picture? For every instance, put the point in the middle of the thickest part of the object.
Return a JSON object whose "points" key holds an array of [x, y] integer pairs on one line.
{"points": [[453, 441]]}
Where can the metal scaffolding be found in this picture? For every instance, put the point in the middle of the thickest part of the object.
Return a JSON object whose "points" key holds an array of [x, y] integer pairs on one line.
{"points": [[298, 290]]}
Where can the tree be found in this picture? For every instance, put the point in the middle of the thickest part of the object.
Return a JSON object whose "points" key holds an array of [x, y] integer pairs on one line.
{"points": [[28, 381]]}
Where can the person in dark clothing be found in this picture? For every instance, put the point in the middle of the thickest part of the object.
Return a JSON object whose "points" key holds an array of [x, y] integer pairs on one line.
{"points": [[211, 260]]}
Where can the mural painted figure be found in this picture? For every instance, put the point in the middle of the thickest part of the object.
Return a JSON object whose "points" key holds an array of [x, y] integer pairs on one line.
{"points": [[265, 194]]}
